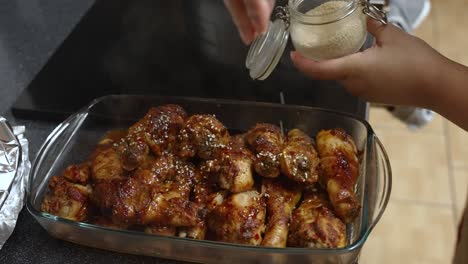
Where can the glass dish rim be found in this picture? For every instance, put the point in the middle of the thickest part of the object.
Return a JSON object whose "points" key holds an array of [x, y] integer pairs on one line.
{"points": [[364, 234]]}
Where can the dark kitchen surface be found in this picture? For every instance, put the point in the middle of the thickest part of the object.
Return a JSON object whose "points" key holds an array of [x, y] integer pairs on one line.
{"points": [[144, 46], [185, 48]]}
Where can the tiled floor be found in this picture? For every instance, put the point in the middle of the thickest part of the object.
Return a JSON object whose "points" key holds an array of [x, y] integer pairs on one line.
{"points": [[430, 166]]}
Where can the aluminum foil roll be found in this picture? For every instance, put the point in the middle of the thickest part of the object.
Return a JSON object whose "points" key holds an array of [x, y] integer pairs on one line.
{"points": [[14, 170]]}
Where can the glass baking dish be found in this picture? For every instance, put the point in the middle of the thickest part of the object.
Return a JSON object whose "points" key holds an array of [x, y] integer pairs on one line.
{"points": [[73, 140]]}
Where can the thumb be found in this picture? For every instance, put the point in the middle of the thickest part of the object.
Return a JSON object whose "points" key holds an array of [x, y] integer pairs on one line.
{"points": [[259, 13], [335, 69], [382, 32]]}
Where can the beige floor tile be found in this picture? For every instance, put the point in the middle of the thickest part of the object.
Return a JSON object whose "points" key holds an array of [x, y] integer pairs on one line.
{"points": [[458, 139], [426, 30], [461, 190], [411, 234], [381, 118], [449, 18], [419, 165]]}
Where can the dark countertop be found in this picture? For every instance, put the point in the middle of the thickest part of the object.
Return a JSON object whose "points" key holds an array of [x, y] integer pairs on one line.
{"points": [[30, 32]]}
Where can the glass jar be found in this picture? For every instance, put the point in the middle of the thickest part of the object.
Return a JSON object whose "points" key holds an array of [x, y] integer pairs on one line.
{"points": [[319, 29]]}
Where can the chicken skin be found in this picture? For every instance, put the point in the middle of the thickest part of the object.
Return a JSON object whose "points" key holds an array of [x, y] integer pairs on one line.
{"points": [[80, 173], [239, 219], [202, 136], [314, 225], [66, 199], [299, 160], [206, 190], [138, 203], [281, 199], [232, 168], [339, 167], [106, 164], [105, 194], [266, 141], [159, 195], [156, 132]]}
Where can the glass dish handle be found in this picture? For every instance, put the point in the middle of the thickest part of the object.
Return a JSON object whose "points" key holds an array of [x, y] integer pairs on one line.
{"points": [[55, 141], [383, 183]]}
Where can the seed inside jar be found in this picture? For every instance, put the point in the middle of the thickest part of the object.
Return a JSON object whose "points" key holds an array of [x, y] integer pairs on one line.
{"points": [[329, 40]]}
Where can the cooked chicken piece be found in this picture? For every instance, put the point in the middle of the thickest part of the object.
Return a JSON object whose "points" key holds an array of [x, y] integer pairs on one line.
{"points": [[184, 179], [205, 185], [238, 142], [196, 232], [206, 191], [105, 194], [239, 219], [281, 199], [170, 174], [314, 225], [339, 168], [299, 160], [207, 195], [131, 202], [133, 150], [138, 203], [202, 136], [78, 173], [106, 172], [163, 169], [266, 142], [235, 172], [232, 169], [106, 164], [66, 199], [161, 230], [159, 195], [173, 211], [156, 131], [107, 175], [164, 124]]}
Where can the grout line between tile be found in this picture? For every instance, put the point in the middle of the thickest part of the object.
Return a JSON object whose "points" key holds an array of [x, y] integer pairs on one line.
{"points": [[423, 203], [435, 29], [451, 176]]}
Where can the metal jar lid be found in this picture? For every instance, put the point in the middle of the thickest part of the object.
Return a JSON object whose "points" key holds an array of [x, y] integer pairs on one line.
{"points": [[267, 49]]}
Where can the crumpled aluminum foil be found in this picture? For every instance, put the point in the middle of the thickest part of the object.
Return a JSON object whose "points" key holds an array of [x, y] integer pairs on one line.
{"points": [[14, 170]]}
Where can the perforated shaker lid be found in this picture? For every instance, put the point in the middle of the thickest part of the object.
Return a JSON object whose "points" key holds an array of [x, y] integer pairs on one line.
{"points": [[267, 49]]}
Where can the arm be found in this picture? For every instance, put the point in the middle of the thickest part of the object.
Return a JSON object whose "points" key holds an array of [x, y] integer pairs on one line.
{"points": [[451, 99], [399, 69]]}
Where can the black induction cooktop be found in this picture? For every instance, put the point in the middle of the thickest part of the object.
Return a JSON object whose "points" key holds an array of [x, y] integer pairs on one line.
{"points": [[178, 48]]}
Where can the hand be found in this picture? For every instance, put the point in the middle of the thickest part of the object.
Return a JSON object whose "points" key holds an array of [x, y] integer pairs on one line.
{"points": [[398, 69], [251, 17]]}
